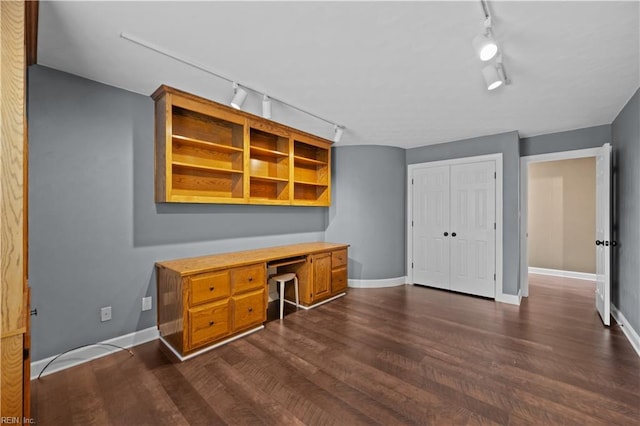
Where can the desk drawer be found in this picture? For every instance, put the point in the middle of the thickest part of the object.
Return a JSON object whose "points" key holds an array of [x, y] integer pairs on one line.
{"points": [[339, 280], [209, 287], [249, 309], [248, 278], [208, 323], [338, 258]]}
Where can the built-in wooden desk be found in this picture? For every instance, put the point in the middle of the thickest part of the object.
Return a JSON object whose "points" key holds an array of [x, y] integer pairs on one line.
{"points": [[207, 301]]}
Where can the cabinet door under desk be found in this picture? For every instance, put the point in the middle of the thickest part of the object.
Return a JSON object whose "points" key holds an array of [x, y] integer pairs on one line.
{"points": [[320, 276]]}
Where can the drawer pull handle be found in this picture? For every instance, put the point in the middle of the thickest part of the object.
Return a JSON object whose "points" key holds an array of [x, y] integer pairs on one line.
{"points": [[250, 309], [250, 279], [211, 322], [211, 288]]}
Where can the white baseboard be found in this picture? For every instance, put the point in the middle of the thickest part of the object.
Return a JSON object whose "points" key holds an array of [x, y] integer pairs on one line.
{"points": [[510, 298], [564, 274], [628, 331], [88, 353], [387, 282], [208, 348]]}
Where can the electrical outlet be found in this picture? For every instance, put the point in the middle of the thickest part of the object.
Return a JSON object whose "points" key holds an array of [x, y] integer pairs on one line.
{"points": [[146, 303], [105, 314]]}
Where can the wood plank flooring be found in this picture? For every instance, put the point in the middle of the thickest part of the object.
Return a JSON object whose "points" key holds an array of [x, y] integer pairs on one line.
{"points": [[402, 355]]}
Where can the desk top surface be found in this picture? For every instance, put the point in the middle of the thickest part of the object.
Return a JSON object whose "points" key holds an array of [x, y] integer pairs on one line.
{"points": [[194, 265]]}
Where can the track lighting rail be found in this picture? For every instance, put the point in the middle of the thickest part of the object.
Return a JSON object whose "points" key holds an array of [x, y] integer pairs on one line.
{"points": [[194, 64]]}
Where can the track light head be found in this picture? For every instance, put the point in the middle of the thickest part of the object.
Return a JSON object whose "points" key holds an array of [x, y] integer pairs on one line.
{"points": [[485, 45], [266, 106], [239, 95], [338, 131], [493, 76]]}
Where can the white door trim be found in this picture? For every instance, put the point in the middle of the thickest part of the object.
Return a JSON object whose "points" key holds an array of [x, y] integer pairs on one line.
{"points": [[499, 223], [524, 195]]}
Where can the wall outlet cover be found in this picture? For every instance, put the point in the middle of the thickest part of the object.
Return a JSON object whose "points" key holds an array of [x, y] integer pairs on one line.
{"points": [[105, 314]]}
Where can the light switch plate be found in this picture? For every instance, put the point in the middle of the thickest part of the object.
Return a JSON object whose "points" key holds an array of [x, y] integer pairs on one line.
{"points": [[146, 303]]}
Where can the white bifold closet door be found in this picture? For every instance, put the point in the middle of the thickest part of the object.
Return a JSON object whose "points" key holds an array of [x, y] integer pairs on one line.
{"points": [[454, 227], [430, 222]]}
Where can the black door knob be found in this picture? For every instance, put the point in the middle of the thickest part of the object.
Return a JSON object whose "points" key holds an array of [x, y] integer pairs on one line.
{"points": [[453, 234], [598, 242], [614, 243], [446, 234]]}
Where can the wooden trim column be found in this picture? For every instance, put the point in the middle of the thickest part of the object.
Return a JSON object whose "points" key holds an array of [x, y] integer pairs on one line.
{"points": [[13, 303], [32, 8]]}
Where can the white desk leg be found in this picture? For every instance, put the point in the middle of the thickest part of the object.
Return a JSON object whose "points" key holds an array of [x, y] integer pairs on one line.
{"points": [[281, 299]]}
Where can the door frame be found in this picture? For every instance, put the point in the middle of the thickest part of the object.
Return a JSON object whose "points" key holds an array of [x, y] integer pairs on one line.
{"points": [[497, 158], [524, 201]]}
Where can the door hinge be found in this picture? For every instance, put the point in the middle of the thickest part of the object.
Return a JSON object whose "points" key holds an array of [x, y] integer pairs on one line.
{"points": [[494, 277], [411, 265], [411, 181], [495, 175], [25, 353], [494, 225], [411, 223]]}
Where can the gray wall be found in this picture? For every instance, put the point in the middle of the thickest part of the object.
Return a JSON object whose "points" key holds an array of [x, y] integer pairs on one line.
{"points": [[589, 137], [508, 145], [626, 159], [94, 229], [368, 209]]}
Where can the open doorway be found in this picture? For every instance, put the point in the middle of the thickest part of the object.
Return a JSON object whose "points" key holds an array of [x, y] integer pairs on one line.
{"points": [[562, 221], [562, 218]]}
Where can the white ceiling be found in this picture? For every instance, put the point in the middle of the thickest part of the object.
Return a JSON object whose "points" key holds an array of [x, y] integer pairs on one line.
{"points": [[394, 73]]}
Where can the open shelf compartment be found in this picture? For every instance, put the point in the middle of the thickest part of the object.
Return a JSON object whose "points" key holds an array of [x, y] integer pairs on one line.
{"points": [[268, 166], [311, 194], [205, 128], [201, 184], [207, 156]]}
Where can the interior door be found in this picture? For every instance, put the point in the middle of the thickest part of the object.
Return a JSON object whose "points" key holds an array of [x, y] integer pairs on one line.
{"points": [[472, 234], [430, 218], [603, 233]]}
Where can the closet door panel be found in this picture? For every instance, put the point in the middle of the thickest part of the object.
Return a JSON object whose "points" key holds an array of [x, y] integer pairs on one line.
{"points": [[473, 228], [430, 217]]}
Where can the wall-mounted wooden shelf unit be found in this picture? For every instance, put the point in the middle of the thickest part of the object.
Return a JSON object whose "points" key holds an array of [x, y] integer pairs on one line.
{"points": [[207, 152]]}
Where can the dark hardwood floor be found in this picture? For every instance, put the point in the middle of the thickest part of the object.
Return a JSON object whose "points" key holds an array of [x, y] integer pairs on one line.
{"points": [[402, 355]]}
